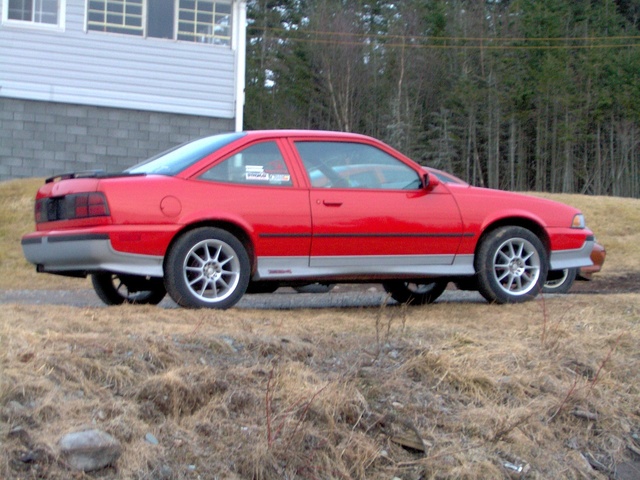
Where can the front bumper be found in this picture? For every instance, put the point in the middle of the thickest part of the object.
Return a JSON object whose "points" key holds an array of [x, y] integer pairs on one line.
{"points": [[598, 255], [86, 253], [581, 257]]}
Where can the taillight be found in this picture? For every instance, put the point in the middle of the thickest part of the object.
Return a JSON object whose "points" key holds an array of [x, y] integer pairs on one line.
{"points": [[41, 210], [89, 205], [71, 207]]}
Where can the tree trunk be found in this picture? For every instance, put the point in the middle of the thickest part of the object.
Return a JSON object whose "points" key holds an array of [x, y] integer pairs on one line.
{"points": [[567, 171], [512, 153]]}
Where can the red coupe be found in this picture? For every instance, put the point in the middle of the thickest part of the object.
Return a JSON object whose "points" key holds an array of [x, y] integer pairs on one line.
{"points": [[250, 211]]}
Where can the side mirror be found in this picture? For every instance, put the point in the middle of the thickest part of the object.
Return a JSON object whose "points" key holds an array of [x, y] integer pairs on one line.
{"points": [[430, 181]]}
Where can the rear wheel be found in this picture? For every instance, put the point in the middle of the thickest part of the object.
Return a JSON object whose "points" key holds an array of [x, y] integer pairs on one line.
{"points": [[511, 265], [207, 267], [560, 281], [114, 289], [413, 293]]}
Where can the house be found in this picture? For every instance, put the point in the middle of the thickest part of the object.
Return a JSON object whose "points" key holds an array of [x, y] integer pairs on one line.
{"points": [[104, 84]]}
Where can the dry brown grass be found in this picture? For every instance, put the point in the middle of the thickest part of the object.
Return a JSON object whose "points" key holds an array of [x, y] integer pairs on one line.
{"points": [[329, 393], [16, 219], [322, 394]]}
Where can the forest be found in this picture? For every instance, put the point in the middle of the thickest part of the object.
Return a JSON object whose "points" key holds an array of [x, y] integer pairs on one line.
{"points": [[528, 95]]}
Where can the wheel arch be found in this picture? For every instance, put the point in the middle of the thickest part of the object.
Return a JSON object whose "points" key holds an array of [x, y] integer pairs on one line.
{"points": [[233, 228], [531, 225]]}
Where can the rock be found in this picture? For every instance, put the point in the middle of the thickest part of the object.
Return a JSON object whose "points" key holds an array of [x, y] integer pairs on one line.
{"points": [[15, 407], [165, 472], [150, 438], [628, 471], [21, 434], [89, 450]]}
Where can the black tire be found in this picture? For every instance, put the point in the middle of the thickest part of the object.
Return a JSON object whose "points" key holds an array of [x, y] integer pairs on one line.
{"points": [[314, 288], [207, 268], [414, 293], [114, 289], [467, 284], [511, 265], [262, 287], [560, 281]]}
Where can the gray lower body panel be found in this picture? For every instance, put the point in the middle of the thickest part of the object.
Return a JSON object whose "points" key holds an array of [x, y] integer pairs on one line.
{"points": [[292, 268], [95, 253], [87, 254], [580, 257]]}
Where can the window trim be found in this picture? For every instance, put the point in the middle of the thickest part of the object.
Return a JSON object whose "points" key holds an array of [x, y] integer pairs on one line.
{"points": [[60, 26]]}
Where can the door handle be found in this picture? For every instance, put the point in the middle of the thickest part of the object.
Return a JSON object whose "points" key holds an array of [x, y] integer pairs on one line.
{"points": [[329, 203]]}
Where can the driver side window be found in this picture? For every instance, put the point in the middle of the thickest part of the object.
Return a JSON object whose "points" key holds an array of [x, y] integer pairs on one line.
{"points": [[355, 165]]}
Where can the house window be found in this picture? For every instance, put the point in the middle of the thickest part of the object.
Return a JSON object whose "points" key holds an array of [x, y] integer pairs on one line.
{"points": [[115, 16], [202, 21], [35, 11]]}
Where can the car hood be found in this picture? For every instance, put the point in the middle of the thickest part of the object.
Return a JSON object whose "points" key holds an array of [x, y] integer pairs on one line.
{"points": [[486, 205]]}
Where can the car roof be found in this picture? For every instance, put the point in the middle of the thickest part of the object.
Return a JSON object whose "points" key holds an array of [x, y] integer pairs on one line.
{"points": [[307, 134], [337, 135]]}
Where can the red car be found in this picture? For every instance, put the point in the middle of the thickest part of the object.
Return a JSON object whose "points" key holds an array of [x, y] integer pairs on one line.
{"points": [[249, 211]]}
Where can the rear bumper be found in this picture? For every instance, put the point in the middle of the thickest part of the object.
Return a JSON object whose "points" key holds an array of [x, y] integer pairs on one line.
{"points": [[85, 253]]}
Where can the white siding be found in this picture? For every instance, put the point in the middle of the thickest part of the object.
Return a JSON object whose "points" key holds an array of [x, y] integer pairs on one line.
{"points": [[103, 69]]}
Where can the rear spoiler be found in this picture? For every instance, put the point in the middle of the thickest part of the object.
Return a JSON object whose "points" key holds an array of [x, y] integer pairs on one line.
{"points": [[90, 174], [69, 176]]}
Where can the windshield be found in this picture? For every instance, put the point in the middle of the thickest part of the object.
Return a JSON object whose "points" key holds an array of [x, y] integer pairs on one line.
{"points": [[176, 159]]}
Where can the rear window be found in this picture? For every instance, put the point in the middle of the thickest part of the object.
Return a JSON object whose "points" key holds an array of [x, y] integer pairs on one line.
{"points": [[176, 159]]}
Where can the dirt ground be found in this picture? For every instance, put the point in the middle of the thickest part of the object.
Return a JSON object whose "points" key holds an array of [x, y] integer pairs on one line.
{"points": [[624, 283]]}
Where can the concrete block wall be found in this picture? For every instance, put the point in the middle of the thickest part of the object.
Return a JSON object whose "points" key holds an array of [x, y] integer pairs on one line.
{"points": [[42, 139]]}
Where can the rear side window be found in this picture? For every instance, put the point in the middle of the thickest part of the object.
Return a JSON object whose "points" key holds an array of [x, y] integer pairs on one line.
{"points": [[176, 159], [260, 164]]}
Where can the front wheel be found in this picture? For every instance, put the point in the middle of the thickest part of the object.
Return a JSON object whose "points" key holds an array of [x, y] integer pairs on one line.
{"points": [[511, 265], [114, 289], [560, 281], [207, 267], [414, 293]]}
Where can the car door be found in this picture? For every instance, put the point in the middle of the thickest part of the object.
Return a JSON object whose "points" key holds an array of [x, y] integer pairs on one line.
{"points": [[370, 212], [255, 188]]}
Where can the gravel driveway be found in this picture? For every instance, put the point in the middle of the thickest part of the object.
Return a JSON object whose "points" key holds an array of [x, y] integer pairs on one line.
{"points": [[342, 296]]}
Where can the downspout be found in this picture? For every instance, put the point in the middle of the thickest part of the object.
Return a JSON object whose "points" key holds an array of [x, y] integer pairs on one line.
{"points": [[240, 44]]}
